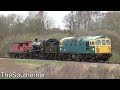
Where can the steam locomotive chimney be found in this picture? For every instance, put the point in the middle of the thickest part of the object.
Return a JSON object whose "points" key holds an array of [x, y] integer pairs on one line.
{"points": [[36, 39]]}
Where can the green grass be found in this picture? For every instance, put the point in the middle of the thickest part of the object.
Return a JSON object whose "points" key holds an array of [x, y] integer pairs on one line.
{"points": [[40, 62], [115, 57]]}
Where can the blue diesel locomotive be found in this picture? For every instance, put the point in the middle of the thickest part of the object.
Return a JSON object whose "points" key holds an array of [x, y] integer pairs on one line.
{"points": [[85, 48]]}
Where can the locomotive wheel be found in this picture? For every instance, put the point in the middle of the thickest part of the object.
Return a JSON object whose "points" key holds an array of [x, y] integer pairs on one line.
{"points": [[65, 57], [80, 60], [13, 56], [83, 58], [55, 57], [24, 56], [10, 55], [105, 59], [20, 56]]}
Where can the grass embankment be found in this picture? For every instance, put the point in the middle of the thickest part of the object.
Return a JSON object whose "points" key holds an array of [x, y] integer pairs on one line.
{"points": [[73, 70], [40, 62], [115, 57], [60, 69]]}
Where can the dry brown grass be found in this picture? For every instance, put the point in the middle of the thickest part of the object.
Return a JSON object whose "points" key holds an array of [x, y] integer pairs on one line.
{"points": [[68, 70], [88, 71]]}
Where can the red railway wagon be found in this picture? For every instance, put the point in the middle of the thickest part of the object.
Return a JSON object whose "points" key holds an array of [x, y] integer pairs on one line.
{"points": [[20, 50]]}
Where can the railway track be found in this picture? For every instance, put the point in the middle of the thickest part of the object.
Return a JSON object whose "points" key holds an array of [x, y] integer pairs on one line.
{"points": [[108, 62], [104, 62], [4, 57], [112, 63]]}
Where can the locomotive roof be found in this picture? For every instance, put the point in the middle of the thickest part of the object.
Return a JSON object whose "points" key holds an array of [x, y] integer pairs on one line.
{"points": [[87, 38], [66, 38], [84, 38], [23, 42], [50, 39], [45, 40]]}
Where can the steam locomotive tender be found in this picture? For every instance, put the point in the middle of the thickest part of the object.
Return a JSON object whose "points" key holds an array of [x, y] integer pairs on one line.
{"points": [[43, 49]]}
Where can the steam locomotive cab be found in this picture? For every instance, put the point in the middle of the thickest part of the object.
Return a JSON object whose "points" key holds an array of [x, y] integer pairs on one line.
{"points": [[45, 49]]}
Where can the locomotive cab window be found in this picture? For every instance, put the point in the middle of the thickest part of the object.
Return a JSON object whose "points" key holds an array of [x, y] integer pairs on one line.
{"points": [[90, 43], [98, 42], [56, 43], [52, 42], [108, 42], [93, 43], [103, 42]]}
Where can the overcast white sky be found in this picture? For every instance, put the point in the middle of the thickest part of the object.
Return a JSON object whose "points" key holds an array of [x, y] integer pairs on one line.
{"points": [[56, 15]]}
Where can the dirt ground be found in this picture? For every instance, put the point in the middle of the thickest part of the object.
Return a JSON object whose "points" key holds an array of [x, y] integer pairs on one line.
{"points": [[10, 66], [70, 70]]}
